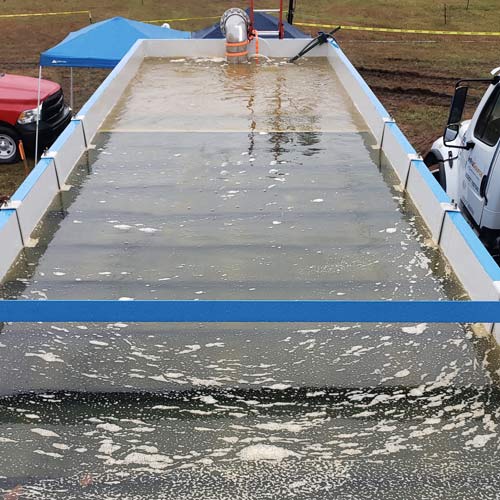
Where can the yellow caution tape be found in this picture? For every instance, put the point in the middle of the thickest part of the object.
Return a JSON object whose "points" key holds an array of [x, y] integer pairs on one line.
{"points": [[180, 19], [311, 25], [41, 14], [396, 30]]}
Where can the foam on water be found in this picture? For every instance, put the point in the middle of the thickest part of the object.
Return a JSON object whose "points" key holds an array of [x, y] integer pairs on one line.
{"points": [[259, 191]]}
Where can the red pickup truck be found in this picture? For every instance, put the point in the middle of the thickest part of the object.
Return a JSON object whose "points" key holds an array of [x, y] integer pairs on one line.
{"points": [[18, 114]]}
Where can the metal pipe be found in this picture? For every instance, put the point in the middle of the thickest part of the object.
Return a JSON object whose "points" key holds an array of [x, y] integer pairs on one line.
{"points": [[281, 27], [71, 92], [234, 26], [291, 11], [38, 113]]}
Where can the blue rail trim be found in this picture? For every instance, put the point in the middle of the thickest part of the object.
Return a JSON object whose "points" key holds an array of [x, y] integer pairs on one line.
{"points": [[32, 179], [477, 248], [251, 311]]}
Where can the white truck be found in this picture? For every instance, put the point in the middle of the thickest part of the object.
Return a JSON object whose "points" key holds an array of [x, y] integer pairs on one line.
{"points": [[466, 160]]}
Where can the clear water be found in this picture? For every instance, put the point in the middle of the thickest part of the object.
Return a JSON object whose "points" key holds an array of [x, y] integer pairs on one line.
{"points": [[242, 182]]}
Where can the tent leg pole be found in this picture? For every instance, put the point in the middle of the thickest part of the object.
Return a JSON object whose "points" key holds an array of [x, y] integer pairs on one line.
{"points": [[71, 91], [38, 113]]}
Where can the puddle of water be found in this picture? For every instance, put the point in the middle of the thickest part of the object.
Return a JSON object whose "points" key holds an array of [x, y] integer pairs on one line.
{"points": [[304, 97]]}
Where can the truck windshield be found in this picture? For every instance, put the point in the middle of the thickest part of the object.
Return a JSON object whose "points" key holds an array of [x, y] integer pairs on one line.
{"points": [[488, 126]]}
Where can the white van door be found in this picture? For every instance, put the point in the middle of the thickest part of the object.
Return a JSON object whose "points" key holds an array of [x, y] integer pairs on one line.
{"points": [[486, 136]]}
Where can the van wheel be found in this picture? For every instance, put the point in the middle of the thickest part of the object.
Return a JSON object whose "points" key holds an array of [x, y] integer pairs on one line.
{"points": [[9, 151]]}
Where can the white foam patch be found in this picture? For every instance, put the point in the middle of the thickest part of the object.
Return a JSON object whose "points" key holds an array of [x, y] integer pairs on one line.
{"points": [[265, 452], [480, 440], [417, 329], [7, 440], [109, 427], [287, 427], [61, 446], [209, 400], [154, 460], [215, 344], [108, 448], [48, 454], [47, 356], [44, 432], [158, 378], [190, 348], [279, 387], [98, 343]]}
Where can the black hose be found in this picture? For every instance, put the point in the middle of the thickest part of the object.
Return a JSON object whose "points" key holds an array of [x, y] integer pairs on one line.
{"points": [[319, 40]]}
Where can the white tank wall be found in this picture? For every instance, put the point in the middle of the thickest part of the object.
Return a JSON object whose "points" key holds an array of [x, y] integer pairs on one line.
{"points": [[475, 268], [38, 198], [372, 111], [107, 95], [66, 151], [10, 240], [477, 271], [217, 48]]}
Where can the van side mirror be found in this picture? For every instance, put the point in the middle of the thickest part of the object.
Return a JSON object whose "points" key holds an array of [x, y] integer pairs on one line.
{"points": [[458, 105], [451, 133], [455, 117]]}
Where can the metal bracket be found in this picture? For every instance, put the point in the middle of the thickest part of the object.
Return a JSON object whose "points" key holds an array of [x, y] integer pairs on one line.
{"points": [[11, 205], [386, 120], [51, 155], [496, 286], [15, 205], [411, 158], [447, 207], [81, 119]]}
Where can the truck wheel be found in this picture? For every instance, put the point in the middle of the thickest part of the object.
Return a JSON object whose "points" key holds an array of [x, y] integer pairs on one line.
{"points": [[9, 152], [434, 162]]}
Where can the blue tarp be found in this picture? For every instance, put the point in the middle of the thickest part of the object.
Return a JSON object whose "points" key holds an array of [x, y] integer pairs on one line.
{"points": [[103, 44], [262, 22]]}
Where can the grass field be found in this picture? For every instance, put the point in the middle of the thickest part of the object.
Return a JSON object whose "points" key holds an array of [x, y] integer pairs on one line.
{"points": [[413, 75]]}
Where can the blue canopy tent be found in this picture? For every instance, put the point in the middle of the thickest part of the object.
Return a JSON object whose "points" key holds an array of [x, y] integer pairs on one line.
{"points": [[101, 45]]}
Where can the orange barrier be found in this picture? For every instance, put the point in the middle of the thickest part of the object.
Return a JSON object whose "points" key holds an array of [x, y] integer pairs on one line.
{"points": [[22, 153]]}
